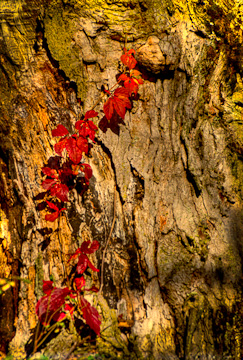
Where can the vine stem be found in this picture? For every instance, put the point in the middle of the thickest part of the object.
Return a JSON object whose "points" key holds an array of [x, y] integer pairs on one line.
{"points": [[101, 96], [107, 243]]}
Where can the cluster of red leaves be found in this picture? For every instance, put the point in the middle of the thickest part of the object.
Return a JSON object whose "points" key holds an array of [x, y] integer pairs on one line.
{"points": [[120, 100], [58, 303], [62, 175], [75, 144], [60, 178]]}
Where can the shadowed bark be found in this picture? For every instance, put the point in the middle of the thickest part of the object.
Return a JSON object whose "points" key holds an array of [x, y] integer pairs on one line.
{"points": [[173, 268]]}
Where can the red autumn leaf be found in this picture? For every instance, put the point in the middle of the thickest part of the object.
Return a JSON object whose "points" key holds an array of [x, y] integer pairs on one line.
{"points": [[52, 217], [123, 95], [88, 248], [60, 146], [90, 114], [48, 183], [50, 306], [52, 206], [86, 128], [122, 77], [119, 107], [82, 264], [86, 169], [60, 131], [75, 255], [47, 287], [82, 144], [66, 176], [92, 267], [68, 308], [80, 283], [74, 152], [49, 172], [104, 124], [131, 84], [108, 108], [118, 102], [60, 191], [90, 315], [128, 59]]}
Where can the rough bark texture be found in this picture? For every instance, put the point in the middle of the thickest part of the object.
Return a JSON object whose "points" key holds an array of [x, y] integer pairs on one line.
{"points": [[174, 265]]}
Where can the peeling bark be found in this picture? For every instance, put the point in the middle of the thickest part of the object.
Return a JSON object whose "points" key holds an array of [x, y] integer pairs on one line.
{"points": [[173, 268]]}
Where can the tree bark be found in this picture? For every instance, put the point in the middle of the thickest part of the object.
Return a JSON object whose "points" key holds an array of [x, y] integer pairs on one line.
{"points": [[173, 172]]}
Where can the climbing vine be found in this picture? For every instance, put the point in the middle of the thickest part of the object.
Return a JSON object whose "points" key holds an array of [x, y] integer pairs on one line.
{"points": [[66, 171]]}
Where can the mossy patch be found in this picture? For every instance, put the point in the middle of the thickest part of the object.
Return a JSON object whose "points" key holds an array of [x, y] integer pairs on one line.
{"points": [[110, 343], [59, 27]]}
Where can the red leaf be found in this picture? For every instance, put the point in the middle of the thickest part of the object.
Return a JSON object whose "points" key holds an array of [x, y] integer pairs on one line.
{"points": [[90, 315], [82, 144], [91, 125], [79, 282], [52, 206], [123, 77], [119, 107], [61, 316], [60, 191], [75, 255], [82, 264], [50, 306], [123, 95], [86, 128], [48, 183], [120, 101], [52, 217], [49, 172], [47, 287], [86, 168], [60, 131], [86, 248], [78, 124], [132, 85], [60, 146], [128, 59], [108, 108], [90, 114], [68, 308], [74, 152], [92, 267]]}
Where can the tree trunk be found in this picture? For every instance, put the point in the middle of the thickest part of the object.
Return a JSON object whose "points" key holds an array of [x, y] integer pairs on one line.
{"points": [[171, 176]]}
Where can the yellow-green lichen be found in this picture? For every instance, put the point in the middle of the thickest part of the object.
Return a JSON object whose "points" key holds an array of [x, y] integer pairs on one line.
{"points": [[236, 166], [220, 18], [18, 34], [234, 111], [60, 26], [111, 342]]}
